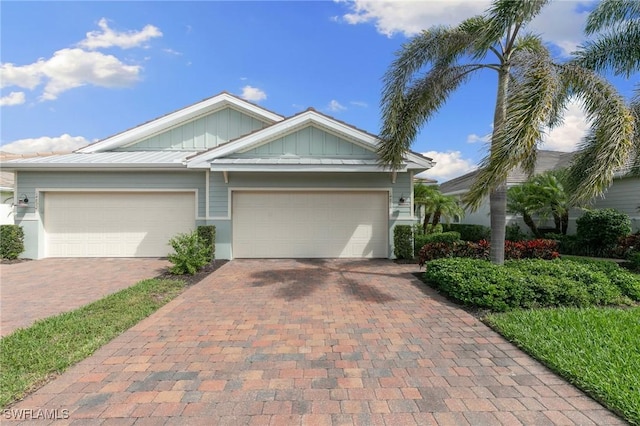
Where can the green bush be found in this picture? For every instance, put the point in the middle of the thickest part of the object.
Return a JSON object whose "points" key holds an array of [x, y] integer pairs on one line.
{"points": [[403, 242], [530, 283], [514, 233], [627, 281], [11, 241], [469, 232], [207, 234], [443, 237], [191, 253], [600, 230]]}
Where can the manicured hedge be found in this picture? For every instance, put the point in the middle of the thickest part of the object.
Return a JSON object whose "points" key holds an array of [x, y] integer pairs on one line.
{"points": [[403, 242], [207, 234], [531, 283], [443, 237], [532, 249], [467, 232], [11, 241]]}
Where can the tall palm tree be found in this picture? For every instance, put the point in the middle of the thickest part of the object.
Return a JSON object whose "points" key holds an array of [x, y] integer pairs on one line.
{"points": [[532, 93], [616, 48]]}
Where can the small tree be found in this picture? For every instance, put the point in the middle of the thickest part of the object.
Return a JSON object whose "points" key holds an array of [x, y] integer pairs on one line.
{"points": [[438, 206]]}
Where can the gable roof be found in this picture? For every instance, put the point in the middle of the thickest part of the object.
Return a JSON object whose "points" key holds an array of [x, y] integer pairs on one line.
{"points": [[309, 117], [545, 161], [180, 116]]}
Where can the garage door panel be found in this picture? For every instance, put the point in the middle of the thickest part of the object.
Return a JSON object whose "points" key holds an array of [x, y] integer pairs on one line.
{"points": [[115, 224], [314, 224]]}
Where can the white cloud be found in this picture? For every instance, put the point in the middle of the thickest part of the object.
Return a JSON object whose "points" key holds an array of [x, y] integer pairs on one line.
{"points": [[567, 137], [253, 94], [45, 144], [559, 22], [473, 138], [125, 40], [75, 67], [335, 106], [13, 98], [449, 165], [359, 104], [172, 52]]}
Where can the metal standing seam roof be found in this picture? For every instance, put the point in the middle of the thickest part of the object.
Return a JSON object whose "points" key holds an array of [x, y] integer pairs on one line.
{"points": [[546, 160], [114, 159]]}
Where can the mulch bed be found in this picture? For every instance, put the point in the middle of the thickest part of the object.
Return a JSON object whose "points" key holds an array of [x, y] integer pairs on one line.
{"points": [[198, 276]]}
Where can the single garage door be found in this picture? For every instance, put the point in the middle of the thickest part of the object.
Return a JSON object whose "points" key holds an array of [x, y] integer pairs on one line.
{"points": [[310, 224], [115, 224]]}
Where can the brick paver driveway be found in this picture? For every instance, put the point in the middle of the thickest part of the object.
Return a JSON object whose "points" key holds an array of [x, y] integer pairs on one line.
{"points": [[38, 289], [313, 342]]}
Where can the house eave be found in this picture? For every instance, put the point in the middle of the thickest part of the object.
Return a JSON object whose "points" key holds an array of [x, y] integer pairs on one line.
{"points": [[308, 168]]}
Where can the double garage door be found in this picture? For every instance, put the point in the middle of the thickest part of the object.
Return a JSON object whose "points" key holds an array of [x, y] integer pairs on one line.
{"points": [[310, 224], [113, 224], [265, 224]]}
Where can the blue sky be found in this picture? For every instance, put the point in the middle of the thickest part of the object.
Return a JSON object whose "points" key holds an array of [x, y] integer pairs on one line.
{"points": [[77, 72]]}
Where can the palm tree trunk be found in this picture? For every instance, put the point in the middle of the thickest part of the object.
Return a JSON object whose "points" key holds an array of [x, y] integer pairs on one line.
{"points": [[498, 197], [528, 220], [564, 222], [425, 224], [436, 219]]}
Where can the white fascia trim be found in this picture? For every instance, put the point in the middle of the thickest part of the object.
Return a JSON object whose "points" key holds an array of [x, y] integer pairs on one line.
{"points": [[420, 160], [268, 134], [230, 191], [299, 168], [178, 117]]}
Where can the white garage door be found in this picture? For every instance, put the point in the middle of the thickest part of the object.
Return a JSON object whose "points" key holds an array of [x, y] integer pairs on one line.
{"points": [[310, 224], [115, 224]]}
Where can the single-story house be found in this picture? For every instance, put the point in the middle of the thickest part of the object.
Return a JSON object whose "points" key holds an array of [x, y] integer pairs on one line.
{"points": [[622, 195], [303, 186]]}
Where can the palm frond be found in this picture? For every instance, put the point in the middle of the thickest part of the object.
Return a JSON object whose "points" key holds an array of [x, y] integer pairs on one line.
{"points": [[611, 12], [407, 114], [609, 143], [506, 17], [618, 50]]}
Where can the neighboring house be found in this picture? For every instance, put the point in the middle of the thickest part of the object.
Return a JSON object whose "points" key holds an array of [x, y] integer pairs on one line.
{"points": [[302, 186], [8, 199], [622, 195]]}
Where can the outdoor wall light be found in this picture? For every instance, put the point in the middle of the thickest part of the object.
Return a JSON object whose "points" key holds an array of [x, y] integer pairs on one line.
{"points": [[23, 200], [402, 199]]}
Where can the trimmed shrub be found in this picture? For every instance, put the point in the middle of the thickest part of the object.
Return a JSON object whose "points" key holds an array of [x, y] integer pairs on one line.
{"points": [[11, 241], [403, 242], [532, 249], [207, 235], [627, 281], [600, 230], [190, 255], [444, 237], [531, 283], [469, 232], [514, 233]]}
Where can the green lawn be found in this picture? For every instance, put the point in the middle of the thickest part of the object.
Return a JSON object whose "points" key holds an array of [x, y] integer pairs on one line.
{"points": [[597, 349], [30, 357]]}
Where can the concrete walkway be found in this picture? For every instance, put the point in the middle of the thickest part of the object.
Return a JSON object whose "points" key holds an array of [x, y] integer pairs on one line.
{"points": [[37, 289], [286, 342]]}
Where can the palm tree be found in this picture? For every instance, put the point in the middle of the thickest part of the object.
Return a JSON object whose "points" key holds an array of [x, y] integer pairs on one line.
{"points": [[532, 93], [617, 48], [421, 191], [552, 199], [520, 200], [438, 206]]}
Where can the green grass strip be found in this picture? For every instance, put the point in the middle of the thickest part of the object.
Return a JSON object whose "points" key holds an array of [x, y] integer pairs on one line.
{"points": [[30, 356], [597, 349]]}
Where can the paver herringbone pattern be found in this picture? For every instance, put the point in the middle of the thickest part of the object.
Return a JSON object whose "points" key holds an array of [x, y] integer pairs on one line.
{"points": [[271, 342]]}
